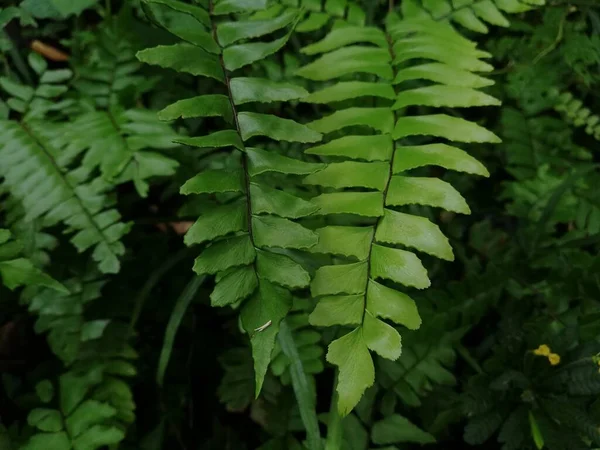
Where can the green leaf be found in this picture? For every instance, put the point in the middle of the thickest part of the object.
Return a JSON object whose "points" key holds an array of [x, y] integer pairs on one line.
{"points": [[261, 316], [88, 414], [202, 106], [349, 60], [50, 441], [22, 272], [344, 36], [398, 265], [263, 90], [425, 191], [439, 96], [195, 11], [381, 119], [186, 27], [381, 338], [217, 222], [230, 32], [536, 433], [393, 305], [444, 74], [234, 286], [281, 269], [276, 128], [223, 138], [372, 175], [396, 429], [413, 231], [343, 240], [183, 58], [368, 204], [340, 279], [15, 89], [351, 89], [98, 436], [214, 180], [357, 373], [261, 161], [378, 147], [443, 155], [447, 53], [238, 6], [68, 7], [270, 231], [222, 255], [45, 391], [488, 12], [338, 310], [444, 126], [238, 56], [49, 420], [268, 200]]}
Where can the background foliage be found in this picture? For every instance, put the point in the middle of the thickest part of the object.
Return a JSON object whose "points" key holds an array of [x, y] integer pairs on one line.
{"points": [[304, 148]]}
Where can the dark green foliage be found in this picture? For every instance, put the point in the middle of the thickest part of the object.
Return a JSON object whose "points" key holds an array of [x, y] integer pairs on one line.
{"points": [[253, 224]]}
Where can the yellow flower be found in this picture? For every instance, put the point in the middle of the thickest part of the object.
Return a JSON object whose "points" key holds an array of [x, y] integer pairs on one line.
{"points": [[542, 350], [554, 359]]}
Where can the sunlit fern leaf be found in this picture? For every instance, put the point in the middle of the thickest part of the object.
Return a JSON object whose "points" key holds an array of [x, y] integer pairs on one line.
{"points": [[354, 292], [475, 15], [17, 270], [249, 227]]}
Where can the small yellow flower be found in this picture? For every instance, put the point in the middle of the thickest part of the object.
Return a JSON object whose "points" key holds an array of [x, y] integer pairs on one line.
{"points": [[554, 359], [542, 350]]}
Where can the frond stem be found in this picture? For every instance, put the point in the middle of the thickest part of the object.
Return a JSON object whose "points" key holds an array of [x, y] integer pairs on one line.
{"points": [[237, 129]]}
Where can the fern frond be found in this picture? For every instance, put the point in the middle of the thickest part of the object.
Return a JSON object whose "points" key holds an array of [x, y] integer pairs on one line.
{"points": [[321, 14], [573, 110], [117, 143], [307, 342], [17, 270], [245, 232], [91, 410], [94, 403], [372, 173], [37, 174], [475, 15]]}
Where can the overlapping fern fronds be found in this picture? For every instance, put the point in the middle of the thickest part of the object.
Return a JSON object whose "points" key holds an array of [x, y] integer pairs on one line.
{"points": [[475, 15], [252, 231], [368, 177], [45, 180]]}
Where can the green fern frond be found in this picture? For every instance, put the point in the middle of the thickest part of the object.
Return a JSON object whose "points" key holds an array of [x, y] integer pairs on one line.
{"points": [[245, 232], [321, 14], [118, 142], [37, 174], [92, 407], [372, 173], [474, 15], [17, 270], [573, 110], [306, 340]]}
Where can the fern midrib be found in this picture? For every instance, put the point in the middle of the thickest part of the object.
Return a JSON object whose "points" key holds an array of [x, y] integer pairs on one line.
{"points": [[238, 131], [68, 184], [387, 184]]}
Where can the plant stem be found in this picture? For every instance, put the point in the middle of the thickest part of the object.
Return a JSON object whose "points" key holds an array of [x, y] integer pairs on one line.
{"points": [[302, 389], [334, 422]]}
